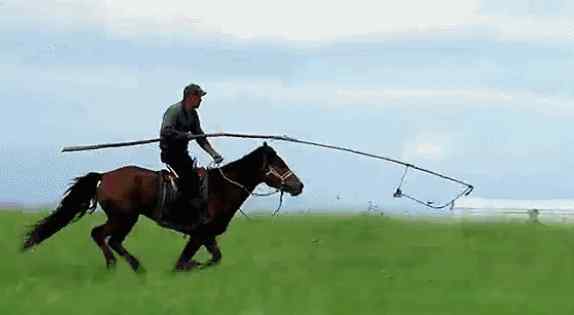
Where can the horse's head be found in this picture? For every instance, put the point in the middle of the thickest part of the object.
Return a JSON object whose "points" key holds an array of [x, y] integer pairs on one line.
{"points": [[275, 172]]}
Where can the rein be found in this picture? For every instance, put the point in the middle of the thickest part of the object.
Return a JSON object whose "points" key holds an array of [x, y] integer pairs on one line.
{"points": [[271, 171]]}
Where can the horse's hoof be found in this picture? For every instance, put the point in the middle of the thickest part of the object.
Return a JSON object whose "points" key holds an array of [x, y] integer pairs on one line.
{"points": [[111, 264], [140, 270], [188, 266], [212, 263], [183, 268]]}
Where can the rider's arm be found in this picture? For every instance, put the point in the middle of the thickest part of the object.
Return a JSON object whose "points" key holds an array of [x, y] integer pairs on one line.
{"points": [[203, 142]]}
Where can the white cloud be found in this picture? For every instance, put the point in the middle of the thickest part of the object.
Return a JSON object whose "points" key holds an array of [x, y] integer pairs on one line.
{"points": [[554, 8], [417, 99], [529, 27], [293, 20], [431, 100], [428, 147], [461, 99], [298, 19], [52, 14]]}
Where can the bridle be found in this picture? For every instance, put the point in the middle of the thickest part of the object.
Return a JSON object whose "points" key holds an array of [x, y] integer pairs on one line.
{"points": [[270, 171], [283, 177]]}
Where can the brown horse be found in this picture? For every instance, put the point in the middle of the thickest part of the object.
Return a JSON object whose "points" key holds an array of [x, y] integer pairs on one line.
{"points": [[127, 192]]}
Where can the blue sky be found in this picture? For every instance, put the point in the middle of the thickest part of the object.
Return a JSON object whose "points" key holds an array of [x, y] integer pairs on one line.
{"points": [[480, 90]]}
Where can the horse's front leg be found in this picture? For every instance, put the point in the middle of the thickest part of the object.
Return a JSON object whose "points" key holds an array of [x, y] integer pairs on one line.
{"points": [[212, 247], [184, 263]]}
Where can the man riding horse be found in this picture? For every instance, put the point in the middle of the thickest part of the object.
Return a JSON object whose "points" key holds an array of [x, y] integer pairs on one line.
{"points": [[129, 192], [180, 121]]}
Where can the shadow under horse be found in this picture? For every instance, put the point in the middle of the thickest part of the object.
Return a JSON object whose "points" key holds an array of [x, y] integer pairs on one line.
{"points": [[128, 192]]}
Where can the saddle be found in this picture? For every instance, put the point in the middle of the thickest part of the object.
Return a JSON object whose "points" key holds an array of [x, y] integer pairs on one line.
{"points": [[169, 192]]}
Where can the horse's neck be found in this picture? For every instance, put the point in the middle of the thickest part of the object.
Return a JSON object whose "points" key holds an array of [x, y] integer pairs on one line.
{"points": [[238, 180], [237, 176], [243, 172]]}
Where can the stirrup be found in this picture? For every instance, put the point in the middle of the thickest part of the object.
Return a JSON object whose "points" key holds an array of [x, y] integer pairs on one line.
{"points": [[171, 170]]}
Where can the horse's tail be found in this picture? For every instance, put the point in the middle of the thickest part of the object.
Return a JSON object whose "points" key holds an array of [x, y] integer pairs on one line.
{"points": [[78, 199]]}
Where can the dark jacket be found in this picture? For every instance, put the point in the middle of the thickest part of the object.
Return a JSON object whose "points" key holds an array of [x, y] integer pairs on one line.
{"points": [[177, 123]]}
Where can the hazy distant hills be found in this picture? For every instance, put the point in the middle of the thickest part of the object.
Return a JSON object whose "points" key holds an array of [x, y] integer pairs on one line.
{"points": [[10, 205], [7, 205], [485, 203]]}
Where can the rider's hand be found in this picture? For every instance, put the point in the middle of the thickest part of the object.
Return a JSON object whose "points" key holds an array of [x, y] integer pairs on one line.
{"points": [[217, 158], [192, 136]]}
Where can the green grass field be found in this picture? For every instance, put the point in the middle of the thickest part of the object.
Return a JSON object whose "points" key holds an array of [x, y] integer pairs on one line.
{"points": [[299, 265]]}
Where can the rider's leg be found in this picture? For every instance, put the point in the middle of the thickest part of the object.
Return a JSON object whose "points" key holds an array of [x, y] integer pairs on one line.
{"points": [[188, 182], [184, 167], [192, 181]]}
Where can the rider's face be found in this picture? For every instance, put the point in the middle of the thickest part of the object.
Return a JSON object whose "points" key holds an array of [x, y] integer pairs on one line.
{"points": [[192, 101]]}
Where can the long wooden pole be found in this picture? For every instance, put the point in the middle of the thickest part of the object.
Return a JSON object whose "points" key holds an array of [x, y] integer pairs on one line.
{"points": [[107, 145], [268, 137]]}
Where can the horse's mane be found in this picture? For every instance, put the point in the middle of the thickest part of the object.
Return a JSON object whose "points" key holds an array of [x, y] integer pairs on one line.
{"points": [[251, 159]]}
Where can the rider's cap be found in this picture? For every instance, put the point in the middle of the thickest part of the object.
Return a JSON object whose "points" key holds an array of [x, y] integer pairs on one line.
{"points": [[193, 89]]}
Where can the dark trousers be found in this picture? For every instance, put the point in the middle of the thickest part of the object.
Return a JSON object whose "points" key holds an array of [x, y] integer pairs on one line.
{"points": [[184, 166], [190, 191]]}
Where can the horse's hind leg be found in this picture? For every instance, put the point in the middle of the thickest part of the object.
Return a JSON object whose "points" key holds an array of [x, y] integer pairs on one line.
{"points": [[121, 229], [99, 235]]}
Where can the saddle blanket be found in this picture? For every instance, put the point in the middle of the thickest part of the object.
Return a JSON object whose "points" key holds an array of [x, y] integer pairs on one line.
{"points": [[169, 191]]}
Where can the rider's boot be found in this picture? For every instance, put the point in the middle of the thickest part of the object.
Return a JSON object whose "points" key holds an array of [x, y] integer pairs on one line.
{"points": [[195, 203], [178, 212]]}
